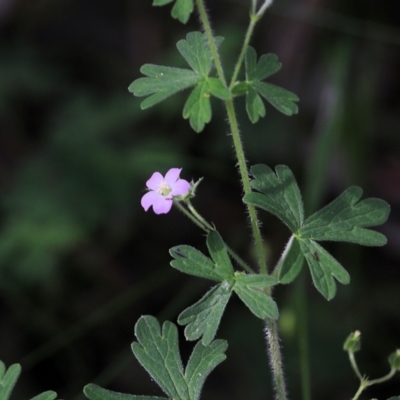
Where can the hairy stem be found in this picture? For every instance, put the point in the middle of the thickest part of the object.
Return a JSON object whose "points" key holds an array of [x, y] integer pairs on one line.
{"points": [[271, 328], [246, 42]]}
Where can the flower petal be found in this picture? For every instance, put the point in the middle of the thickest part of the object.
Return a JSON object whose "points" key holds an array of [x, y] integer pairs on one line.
{"points": [[162, 205], [180, 188], [172, 176], [154, 181], [149, 199]]}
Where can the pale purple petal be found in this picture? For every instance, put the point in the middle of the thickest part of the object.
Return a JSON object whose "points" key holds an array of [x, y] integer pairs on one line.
{"points": [[180, 188], [149, 199], [162, 205], [172, 176], [154, 181]]}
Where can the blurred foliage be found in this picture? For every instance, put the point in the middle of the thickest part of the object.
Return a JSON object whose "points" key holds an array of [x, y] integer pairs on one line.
{"points": [[79, 259]]}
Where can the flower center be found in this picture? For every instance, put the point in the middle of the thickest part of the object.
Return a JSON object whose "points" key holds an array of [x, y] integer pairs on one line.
{"points": [[164, 189]]}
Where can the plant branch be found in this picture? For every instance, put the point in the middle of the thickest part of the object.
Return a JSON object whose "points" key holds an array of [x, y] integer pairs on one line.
{"points": [[271, 328]]}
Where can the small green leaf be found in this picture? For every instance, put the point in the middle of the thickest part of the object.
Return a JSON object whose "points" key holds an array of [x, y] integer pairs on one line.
{"points": [[9, 380], [219, 255], [345, 219], [193, 262], [158, 353], [202, 361], [267, 65], [2, 370], [49, 395], [281, 99], [196, 51], [249, 288], [161, 83], [217, 89], [181, 9], [394, 398], [279, 195], [254, 105], [204, 317], [94, 392], [291, 261], [323, 268], [198, 108]]}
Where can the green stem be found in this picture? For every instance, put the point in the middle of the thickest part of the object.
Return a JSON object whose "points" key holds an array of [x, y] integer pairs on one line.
{"points": [[237, 143], [354, 365], [302, 317], [210, 37], [360, 390], [246, 42], [383, 379], [198, 216], [275, 358], [190, 216], [272, 331]]}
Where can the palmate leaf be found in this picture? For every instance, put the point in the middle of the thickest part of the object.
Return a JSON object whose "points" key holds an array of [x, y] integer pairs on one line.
{"points": [[181, 9], [251, 290], [161, 82], [158, 352], [283, 100], [344, 219], [279, 195], [198, 106], [203, 318], [193, 262]]}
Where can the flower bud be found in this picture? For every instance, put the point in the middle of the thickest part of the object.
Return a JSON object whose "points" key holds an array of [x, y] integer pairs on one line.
{"points": [[353, 342], [394, 360]]}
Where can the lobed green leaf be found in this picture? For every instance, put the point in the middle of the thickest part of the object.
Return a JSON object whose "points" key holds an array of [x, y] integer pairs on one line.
{"points": [[158, 352], [279, 195], [266, 66], [193, 262], [291, 261], [196, 51], [161, 83], [323, 267], [198, 107], [9, 380], [94, 392], [49, 395], [202, 361], [344, 219], [181, 9], [254, 105], [203, 318], [259, 303], [219, 254], [281, 99], [249, 288]]}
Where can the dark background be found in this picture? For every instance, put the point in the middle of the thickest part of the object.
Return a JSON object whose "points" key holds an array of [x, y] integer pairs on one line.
{"points": [[80, 261]]}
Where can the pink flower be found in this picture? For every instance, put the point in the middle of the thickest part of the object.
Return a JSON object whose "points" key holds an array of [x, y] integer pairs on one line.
{"points": [[162, 190]]}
